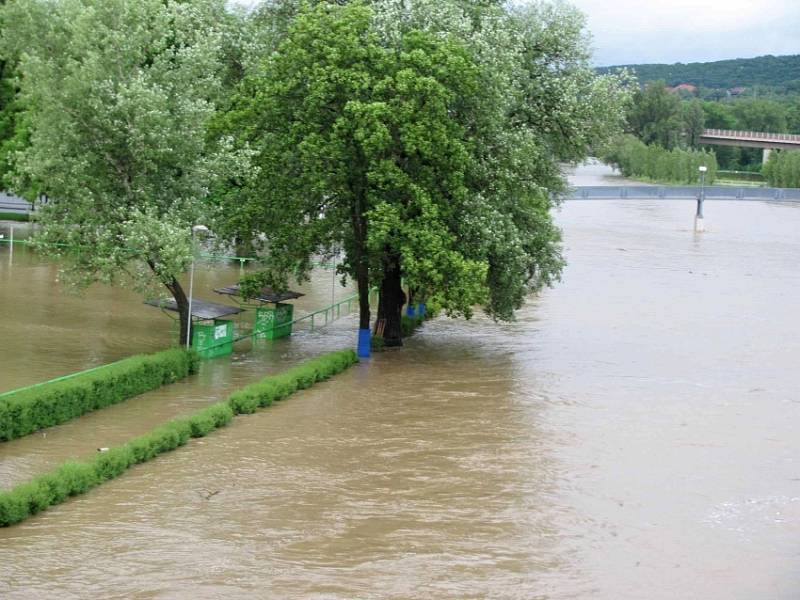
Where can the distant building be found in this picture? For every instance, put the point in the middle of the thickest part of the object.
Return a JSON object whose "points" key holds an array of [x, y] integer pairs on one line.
{"points": [[737, 91], [686, 88]]}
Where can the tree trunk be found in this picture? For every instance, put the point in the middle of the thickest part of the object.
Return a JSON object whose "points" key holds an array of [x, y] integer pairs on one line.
{"points": [[244, 247], [182, 302], [362, 277], [361, 256], [392, 299]]}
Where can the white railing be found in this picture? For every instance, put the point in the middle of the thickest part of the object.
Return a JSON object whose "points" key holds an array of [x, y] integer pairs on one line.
{"points": [[752, 135]]}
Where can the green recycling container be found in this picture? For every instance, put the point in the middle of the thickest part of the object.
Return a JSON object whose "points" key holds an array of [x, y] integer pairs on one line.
{"points": [[212, 339], [273, 322]]}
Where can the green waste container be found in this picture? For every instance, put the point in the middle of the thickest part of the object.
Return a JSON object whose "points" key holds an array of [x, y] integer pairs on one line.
{"points": [[212, 339], [273, 322]]}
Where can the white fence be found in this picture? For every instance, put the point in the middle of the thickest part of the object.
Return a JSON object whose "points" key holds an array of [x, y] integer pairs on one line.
{"points": [[663, 192]]}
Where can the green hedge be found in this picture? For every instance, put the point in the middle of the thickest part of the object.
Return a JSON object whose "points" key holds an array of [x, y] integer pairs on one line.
{"points": [[73, 478], [13, 216], [37, 407]]}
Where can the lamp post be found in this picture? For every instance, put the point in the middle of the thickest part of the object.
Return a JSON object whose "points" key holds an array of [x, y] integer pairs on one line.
{"points": [[699, 225], [195, 229]]}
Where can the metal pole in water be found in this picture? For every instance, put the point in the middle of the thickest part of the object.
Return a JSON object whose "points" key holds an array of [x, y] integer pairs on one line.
{"points": [[699, 223], [191, 289], [333, 278], [195, 229]]}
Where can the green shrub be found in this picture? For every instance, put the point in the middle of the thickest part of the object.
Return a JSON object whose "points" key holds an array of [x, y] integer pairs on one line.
{"points": [[73, 478], [782, 169], [409, 324], [49, 404]]}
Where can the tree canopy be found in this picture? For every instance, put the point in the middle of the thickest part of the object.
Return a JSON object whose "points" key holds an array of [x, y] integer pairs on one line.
{"points": [[422, 137], [425, 139], [118, 95]]}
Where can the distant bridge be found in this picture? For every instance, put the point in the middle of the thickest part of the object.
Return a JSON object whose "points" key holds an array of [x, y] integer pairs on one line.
{"points": [[751, 139], [679, 192]]}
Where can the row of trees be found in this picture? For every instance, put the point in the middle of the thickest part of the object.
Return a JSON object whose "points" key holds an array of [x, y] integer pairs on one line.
{"points": [[658, 116], [779, 74], [782, 169], [634, 158], [424, 138]]}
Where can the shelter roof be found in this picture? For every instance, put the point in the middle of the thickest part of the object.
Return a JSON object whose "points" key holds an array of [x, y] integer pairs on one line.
{"points": [[200, 308], [265, 294]]}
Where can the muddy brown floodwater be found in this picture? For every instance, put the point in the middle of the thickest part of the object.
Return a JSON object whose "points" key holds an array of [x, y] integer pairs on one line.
{"points": [[633, 435]]}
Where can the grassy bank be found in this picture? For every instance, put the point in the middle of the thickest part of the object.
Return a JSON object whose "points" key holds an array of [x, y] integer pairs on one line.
{"points": [[36, 407], [77, 477]]}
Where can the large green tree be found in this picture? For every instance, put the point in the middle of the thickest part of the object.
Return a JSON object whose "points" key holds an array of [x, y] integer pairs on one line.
{"points": [[117, 95], [13, 130], [655, 116], [424, 137], [356, 147]]}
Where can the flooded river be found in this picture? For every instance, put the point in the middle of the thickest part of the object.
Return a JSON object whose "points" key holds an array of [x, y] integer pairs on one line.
{"points": [[49, 330], [633, 435]]}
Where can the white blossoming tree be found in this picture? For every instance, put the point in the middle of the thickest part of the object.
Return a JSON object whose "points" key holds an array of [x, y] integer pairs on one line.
{"points": [[118, 94]]}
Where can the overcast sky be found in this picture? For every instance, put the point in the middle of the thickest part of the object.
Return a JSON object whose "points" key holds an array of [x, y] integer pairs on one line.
{"points": [[669, 31]]}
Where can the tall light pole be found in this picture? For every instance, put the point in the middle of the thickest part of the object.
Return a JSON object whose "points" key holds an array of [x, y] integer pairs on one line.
{"points": [[699, 225], [195, 229]]}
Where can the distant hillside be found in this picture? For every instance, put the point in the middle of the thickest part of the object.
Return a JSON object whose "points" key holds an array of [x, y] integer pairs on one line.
{"points": [[780, 73]]}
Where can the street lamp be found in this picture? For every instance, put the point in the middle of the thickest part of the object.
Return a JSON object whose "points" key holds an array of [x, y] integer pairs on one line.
{"points": [[195, 229], [698, 219]]}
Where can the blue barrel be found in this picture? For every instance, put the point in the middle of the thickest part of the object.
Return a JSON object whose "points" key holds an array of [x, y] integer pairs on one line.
{"points": [[364, 343]]}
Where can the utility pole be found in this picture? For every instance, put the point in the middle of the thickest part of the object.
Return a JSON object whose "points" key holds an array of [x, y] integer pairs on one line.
{"points": [[699, 223]]}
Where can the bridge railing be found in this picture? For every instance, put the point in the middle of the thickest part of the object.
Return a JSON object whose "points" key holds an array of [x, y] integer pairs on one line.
{"points": [[677, 192], [752, 135]]}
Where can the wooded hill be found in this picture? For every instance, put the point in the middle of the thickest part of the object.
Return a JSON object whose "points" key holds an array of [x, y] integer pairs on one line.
{"points": [[781, 74]]}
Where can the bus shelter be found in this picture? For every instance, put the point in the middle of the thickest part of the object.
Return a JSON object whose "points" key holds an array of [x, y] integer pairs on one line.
{"points": [[274, 316], [212, 335]]}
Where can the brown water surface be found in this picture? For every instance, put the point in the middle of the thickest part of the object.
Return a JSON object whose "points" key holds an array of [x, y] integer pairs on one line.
{"points": [[633, 435]]}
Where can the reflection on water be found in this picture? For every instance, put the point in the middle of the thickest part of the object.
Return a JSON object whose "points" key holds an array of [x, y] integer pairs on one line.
{"points": [[632, 435]]}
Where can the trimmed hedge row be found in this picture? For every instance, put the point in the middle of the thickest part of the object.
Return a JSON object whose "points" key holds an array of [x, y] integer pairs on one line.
{"points": [[12, 216], [73, 478], [55, 402]]}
